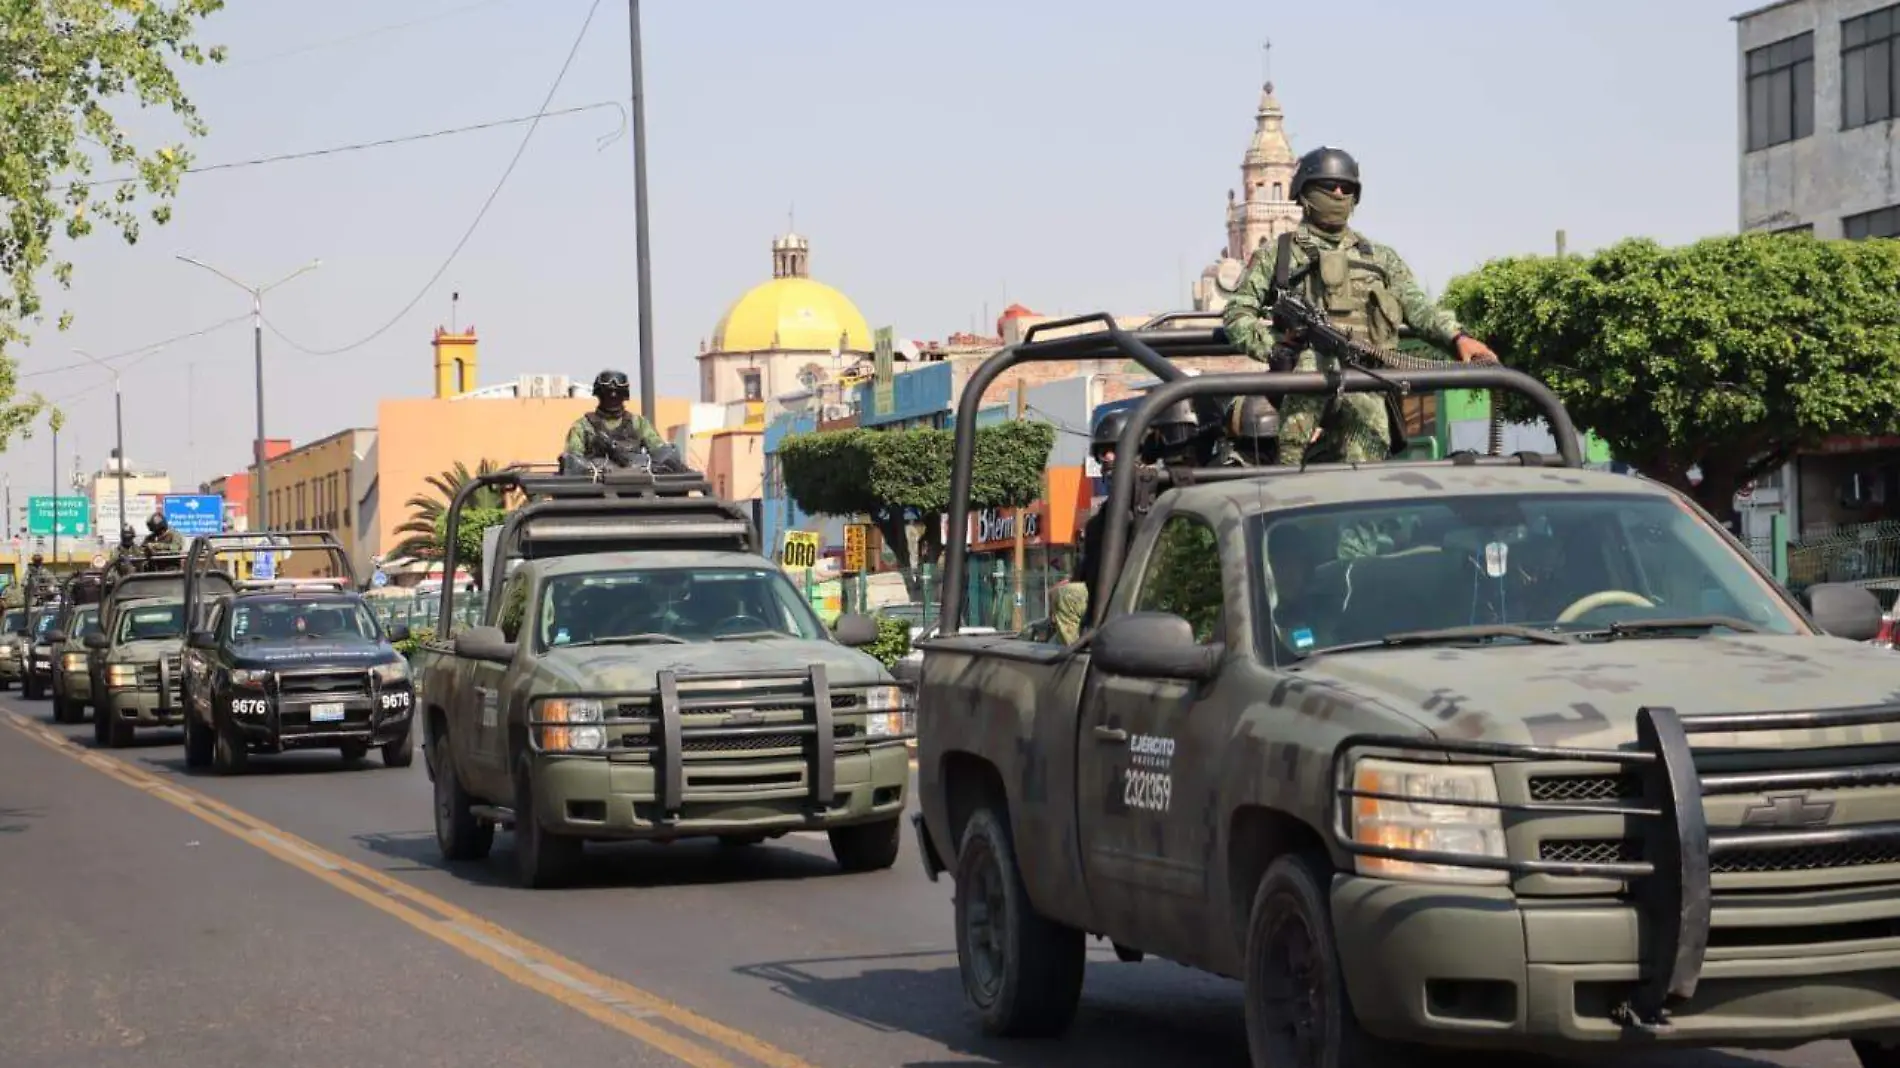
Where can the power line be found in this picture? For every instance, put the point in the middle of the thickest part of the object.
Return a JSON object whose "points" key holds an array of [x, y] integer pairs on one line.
{"points": [[362, 35], [386, 142], [468, 234], [148, 348]]}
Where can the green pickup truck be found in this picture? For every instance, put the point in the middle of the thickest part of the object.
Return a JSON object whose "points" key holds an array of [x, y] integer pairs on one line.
{"points": [[1491, 752], [644, 674]]}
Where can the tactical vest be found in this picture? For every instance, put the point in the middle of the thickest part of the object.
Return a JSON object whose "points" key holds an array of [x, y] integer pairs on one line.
{"points": [[1346, 284], [624, 434]]}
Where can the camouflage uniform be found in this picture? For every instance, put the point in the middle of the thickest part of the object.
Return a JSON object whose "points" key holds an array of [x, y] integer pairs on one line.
{"points": [[163, 543], [1372, 294], [1071, 600], [628, 428]]}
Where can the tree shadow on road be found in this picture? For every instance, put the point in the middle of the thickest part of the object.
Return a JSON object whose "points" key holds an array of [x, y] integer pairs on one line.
{"points": [[1131, 1014], [616, 866]]}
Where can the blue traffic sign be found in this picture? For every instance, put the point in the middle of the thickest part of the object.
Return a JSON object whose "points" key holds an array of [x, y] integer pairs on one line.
{"points": [[379, 579], [263, 566], [192, 514]]}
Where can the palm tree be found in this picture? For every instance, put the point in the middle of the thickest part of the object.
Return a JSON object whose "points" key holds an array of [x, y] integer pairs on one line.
{"points": [[428, 515]]}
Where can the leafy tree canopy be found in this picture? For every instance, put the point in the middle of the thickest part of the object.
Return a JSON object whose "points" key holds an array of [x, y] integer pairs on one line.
{"points": [[425, 532], [1729, 354], [62, 64], [897, 476]]}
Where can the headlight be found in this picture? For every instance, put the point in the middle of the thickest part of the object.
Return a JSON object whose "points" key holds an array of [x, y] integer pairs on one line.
{"points": [[1437, 828], [392, 672], [890, 713], [73, 661], [572, 711], [122, 675], [249, 677]]}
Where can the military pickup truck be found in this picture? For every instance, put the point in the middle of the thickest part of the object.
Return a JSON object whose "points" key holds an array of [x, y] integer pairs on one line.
{"points": [[135, 658], [13, 649], [72, 675], [1486, 752], [283, 664], [642, 673]]}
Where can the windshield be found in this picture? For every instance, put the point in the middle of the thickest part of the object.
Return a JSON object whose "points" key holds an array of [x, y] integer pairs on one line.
{"points": [[83, 618], [43, 623], [1564, 563], [331, 618], [674, 604], [152, 622], [15, 622]]}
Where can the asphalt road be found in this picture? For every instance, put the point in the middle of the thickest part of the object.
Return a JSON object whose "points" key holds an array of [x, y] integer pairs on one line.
{"points": [[299, 916]]}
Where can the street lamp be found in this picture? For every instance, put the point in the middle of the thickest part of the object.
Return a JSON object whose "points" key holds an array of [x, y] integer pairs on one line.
{"points": [[257, 335], [118, 421]]}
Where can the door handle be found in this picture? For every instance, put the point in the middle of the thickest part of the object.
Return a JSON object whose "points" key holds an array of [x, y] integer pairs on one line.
{"points": [[1110, 734]]}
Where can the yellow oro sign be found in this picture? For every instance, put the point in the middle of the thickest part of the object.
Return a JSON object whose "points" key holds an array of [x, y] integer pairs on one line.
{"points": [[800, 550], [855, 540]]}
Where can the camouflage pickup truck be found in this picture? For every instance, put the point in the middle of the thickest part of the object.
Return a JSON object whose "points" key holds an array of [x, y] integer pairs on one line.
{"points": [[136, 656], [642, 673], [1492, 752]]}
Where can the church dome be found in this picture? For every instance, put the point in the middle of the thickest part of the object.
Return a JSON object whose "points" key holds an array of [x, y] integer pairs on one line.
{"points": [[792, 313]]}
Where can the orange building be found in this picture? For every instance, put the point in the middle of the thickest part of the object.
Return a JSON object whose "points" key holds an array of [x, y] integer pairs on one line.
{"points": [[357, 483]]}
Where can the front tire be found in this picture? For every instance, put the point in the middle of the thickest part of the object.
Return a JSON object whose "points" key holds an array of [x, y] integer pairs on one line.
{"points": [[402, 752], [1298, 1014], [543, 859], [228, 754], [458, 834], [1022, 972], [866, 846]]}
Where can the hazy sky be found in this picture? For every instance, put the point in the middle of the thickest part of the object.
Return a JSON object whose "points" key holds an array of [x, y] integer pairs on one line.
{"points": [[944, 159]]}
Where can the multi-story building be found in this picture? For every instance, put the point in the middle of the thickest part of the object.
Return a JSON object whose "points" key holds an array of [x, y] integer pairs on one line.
{"points": [[1818, 90]]}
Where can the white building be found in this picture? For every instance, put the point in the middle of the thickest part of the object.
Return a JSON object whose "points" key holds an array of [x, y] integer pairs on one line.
{"points": [[1818, 90]]}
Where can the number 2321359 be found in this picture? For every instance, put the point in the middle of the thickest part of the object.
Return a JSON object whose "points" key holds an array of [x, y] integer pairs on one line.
{"points": [[1147, 791]]}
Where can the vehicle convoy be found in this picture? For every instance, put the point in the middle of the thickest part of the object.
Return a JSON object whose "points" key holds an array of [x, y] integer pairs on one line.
{"points": [[643, 673], [37, 673], [135, 658], [71, 682], [13, 648], [274, 665], [1548, 764]]}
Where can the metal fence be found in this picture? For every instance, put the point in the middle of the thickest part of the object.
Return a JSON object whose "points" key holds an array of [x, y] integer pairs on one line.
{"points": [[417, 611]]}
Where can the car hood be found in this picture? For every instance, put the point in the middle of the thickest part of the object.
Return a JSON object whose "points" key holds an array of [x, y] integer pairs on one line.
{"points": [[1587, 695], [147, 649], [634, 667], [297, 652]]}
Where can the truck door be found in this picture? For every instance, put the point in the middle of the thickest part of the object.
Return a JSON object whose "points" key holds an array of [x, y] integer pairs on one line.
{"points": [[488, 756], [1149, 750]]}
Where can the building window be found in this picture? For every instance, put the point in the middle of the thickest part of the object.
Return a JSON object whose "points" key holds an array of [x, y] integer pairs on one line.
{"points": [[1869, 87], [749, 379], [1781, 92], [1801, 228], [1881, 222], [1278, 193]]}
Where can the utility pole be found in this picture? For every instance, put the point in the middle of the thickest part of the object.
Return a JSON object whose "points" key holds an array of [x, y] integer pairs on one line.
{"points": [[1022, 523], [1560, 244], [118, 422], [643, 252], [257, 339], [56, 494]]}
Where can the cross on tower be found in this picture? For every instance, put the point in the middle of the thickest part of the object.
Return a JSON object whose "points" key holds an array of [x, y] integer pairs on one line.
{"points": [[1266, 60]]}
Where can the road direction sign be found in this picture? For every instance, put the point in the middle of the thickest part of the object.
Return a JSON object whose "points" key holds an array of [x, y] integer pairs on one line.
{"points": [[69, 517], [195, 514], [263, 566]]}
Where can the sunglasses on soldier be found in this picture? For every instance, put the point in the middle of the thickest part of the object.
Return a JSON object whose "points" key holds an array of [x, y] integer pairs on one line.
{"points": [[1334, 185]]}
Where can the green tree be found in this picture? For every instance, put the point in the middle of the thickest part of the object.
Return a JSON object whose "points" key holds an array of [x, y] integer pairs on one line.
{"points": [[426, 531], [897, 477], [1728, 355], [62, 62]]}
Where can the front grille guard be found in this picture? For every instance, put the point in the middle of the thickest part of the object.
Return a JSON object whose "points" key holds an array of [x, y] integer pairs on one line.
{"points": [[274, 700], [809, 691], [1671, 882]]}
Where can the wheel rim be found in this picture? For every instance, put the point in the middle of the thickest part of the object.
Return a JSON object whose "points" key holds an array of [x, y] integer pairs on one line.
{"points": [[1293, 994], [985, 923]]}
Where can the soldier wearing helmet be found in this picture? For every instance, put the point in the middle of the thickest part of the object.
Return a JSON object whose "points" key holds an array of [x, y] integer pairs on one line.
{"points": [[1252, 433], [125, 561], [610, 434], [161, 539], [1364, 288], [1103, 441]]}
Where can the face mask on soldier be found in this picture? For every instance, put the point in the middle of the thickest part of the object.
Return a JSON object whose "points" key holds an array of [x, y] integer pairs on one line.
{"points": [[1328, 208]]}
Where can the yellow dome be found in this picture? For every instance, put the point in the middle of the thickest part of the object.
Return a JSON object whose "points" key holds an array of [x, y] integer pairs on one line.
{"points": [[791, 314]]}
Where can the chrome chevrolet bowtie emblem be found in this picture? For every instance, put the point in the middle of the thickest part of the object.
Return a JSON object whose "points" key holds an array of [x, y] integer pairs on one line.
{"points": [[1788, 810]]}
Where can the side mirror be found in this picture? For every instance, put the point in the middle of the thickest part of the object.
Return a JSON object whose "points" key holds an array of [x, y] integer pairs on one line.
{"points": [[485, 643], [398, 632], [91, 629], [1850, 612], [97, 640], [855, 630], [202, 639], [1154, 645], [56, 637]]}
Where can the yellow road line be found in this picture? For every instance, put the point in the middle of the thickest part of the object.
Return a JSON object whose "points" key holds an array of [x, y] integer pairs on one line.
{"points": [[617, 1004]]}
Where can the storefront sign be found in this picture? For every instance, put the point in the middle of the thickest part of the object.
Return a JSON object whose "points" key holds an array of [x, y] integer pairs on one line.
{"points": [[995, 528]]}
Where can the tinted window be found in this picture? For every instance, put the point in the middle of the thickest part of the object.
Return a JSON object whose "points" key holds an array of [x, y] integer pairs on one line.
{"points": [[152, 622], [1781, 92], [335, 619], [1183, 576], [1563, 562], [690, 604]]}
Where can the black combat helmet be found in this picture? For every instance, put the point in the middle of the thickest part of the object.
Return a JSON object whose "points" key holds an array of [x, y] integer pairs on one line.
{"points": [[38, 559], [1171, 432], [127, 535], [611, 386], [1253, 425], [1107, 434], [155, 522], [1326, 162]]}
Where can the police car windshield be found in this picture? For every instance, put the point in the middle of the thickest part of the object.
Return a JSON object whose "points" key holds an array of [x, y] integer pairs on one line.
{"points": [[43, 624], [341, 619], [1590, 566], [670, 605], [15, 622], [152, 623]]}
